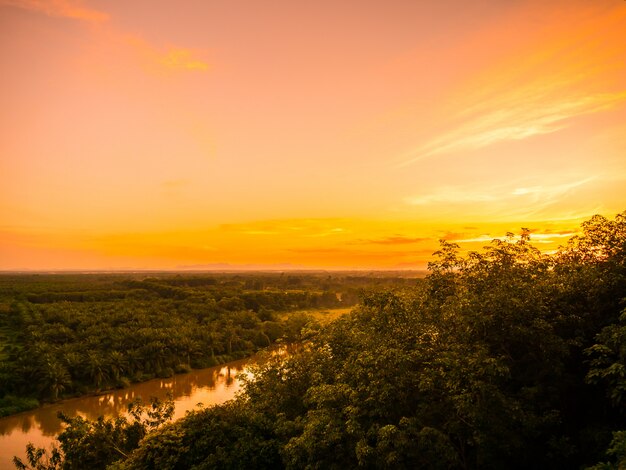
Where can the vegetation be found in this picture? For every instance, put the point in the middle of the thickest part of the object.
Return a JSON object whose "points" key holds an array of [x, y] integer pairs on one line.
{"points": [[11, 404], [86, 444], [507, 358], [64, 335]]}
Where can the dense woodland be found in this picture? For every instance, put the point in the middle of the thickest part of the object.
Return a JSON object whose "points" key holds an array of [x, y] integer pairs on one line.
{"points": [[66, 335], [507, 358]]}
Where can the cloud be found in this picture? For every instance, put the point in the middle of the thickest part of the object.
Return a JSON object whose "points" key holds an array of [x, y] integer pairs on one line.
{"points": [[550, 192], [327, 233], [545, 238], [74, 9], [346, 254], [260, 232], [526, 119], [168, 58], [452, 195], [318, 250], [395, 240], [179, 58], [540, 236], [253, 228], [541, 89], [563, 233], [537, 194], [485, 238], [453, 236], [516, 200], [551, 236]]}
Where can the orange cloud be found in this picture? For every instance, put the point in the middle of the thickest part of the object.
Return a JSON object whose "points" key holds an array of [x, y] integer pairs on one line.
{"points": [[169, 58], [395, 240], [526, 117], [538, 90], [59, 8], [178, 58], [535, 195], [541, 238]]}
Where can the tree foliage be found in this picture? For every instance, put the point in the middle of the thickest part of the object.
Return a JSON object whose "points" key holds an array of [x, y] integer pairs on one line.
{"points": [[72, 334], [100, 443]]}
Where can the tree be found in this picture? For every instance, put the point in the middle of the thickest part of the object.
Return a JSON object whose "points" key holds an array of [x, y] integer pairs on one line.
{"points": [[98, 444], [97, 369], [53, 377]]}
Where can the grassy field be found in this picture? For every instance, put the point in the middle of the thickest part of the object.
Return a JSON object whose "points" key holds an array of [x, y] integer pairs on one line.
{"points": [[324, 315]]}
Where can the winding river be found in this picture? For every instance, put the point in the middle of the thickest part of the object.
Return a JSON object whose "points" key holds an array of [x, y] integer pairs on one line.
{"points": [[207, 386]]}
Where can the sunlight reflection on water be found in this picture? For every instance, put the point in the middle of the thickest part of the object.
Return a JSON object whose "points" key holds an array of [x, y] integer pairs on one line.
{"points": [[207, 386]]}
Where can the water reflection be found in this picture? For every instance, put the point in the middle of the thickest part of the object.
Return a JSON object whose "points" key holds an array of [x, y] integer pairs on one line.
{"points": [[207, 386]]}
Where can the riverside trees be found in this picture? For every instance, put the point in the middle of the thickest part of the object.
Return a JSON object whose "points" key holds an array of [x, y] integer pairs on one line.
{"points": [[65, 335]]}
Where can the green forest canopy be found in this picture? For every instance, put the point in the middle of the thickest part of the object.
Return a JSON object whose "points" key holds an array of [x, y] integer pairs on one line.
{"points": [[66, 335]]}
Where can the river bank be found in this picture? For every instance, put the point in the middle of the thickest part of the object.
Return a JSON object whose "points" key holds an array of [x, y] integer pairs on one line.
{"points": [[209, 386], [12, 405]]}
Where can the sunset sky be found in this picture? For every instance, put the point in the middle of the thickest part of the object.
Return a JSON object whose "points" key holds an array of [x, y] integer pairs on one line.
{"points": [[197, 134]]}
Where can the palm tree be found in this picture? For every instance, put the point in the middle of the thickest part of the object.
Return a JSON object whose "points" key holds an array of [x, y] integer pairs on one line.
{"points": [[74, 363], [96, 369], [54, 378], [117, 364]]}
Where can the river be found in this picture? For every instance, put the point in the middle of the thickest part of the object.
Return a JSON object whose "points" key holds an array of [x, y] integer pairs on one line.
{"points": [[207, 386]]}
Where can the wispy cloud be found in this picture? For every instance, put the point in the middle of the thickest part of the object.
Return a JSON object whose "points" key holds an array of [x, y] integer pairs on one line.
{"points": [[327, 233], [527, 118], [536, 91], [318, 250], [452, 195], [452, 236], [542, 238], [549, 192], [170, 57], [260, 232], [74, 9], [350, 253], [178, 58], [390, 241], [543, 194], [395, 240]]}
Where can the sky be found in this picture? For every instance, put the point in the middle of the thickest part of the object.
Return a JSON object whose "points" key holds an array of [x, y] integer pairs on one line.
{"points": [[273, 134]]}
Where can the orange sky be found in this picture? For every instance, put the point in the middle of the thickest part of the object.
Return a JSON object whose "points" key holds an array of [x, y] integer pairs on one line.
{"points": [[335, 134]]}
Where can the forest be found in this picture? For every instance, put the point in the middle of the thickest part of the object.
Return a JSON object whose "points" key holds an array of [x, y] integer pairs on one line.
{"points": [[66, 335], [504, 358]]}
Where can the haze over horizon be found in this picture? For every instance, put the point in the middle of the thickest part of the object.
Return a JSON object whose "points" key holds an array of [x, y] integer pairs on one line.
{"points": [[325, 135]]}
